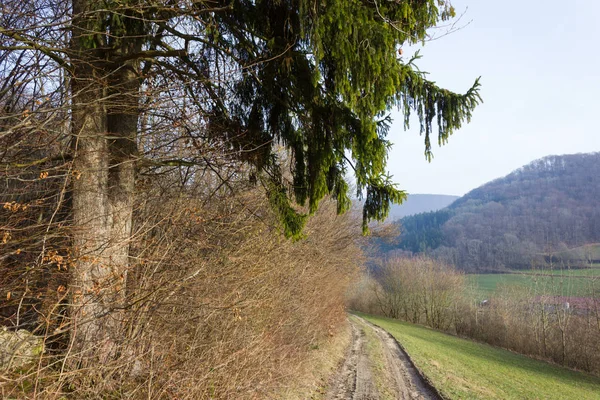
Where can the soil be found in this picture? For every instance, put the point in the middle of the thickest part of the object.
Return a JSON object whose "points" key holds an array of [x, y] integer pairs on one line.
{"points": [[355, 379]]}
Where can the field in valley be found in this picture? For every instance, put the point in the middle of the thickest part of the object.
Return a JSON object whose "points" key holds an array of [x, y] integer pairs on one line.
{"points": [[558, 282], [463, 369]]}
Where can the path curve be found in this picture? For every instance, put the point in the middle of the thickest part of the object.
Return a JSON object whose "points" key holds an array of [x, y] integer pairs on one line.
{"points": [[355, 377]]}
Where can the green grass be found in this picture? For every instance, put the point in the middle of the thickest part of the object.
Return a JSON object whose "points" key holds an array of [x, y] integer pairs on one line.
{"points": [[555, 281], [578, 283], [462, 369]]}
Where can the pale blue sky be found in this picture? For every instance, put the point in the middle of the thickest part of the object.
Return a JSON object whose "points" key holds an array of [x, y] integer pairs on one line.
{"points": [[540, 68]]}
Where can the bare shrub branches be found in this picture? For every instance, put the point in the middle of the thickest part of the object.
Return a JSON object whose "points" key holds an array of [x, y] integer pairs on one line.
{"points": [[223, 305], [561, 329]]}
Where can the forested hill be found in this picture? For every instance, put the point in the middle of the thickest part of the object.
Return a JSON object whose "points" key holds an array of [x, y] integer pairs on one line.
{"points": [[420, 203], [547, 206]]}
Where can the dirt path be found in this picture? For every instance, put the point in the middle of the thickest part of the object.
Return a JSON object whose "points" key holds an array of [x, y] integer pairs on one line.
{"points": [[376, 368]]}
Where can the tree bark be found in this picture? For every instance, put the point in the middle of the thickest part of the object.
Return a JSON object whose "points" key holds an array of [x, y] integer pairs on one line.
{"points": [[105, 113]]}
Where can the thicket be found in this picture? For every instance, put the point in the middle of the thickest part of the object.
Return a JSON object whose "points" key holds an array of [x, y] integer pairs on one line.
{"points": [[224, 306], [427, 292]]}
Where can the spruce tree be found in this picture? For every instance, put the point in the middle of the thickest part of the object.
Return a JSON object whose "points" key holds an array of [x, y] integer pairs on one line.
{"points": [[318, 78], [321, 78]]}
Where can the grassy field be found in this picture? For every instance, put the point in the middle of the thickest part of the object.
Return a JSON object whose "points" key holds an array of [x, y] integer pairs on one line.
{"points": [[462, 369], [551, 281], [580, 283]]}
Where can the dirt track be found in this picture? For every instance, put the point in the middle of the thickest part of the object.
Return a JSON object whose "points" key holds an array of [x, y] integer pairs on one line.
{"points": [[376, 367]]}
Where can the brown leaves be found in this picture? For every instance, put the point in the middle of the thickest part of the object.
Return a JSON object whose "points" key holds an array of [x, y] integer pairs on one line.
{"points": [[14, 206], [61, 262], [5, 237]]}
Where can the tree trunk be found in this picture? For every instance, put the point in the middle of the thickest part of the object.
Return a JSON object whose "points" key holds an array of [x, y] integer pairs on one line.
{"points": [[105, 113]]}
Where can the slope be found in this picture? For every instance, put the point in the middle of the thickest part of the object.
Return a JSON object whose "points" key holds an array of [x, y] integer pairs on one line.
{"points": [[538, 211], [464, 369]]}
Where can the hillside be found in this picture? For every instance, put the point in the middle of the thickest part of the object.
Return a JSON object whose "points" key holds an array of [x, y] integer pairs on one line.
{"points": [[420, 203], [540, 210]]}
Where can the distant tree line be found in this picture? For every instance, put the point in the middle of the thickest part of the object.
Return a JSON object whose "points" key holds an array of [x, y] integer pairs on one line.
{"points": [[543, 208]]}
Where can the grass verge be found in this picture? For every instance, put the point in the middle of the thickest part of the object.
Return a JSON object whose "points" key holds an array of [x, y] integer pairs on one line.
{"points": [[462, 369]]}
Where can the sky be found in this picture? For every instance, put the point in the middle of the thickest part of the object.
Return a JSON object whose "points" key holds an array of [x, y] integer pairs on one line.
{"points": [[539, 63]]}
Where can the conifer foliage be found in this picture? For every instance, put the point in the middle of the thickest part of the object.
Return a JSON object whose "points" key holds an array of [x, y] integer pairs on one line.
{"points": [[290, 93], [316, 77], [335, 73]]}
